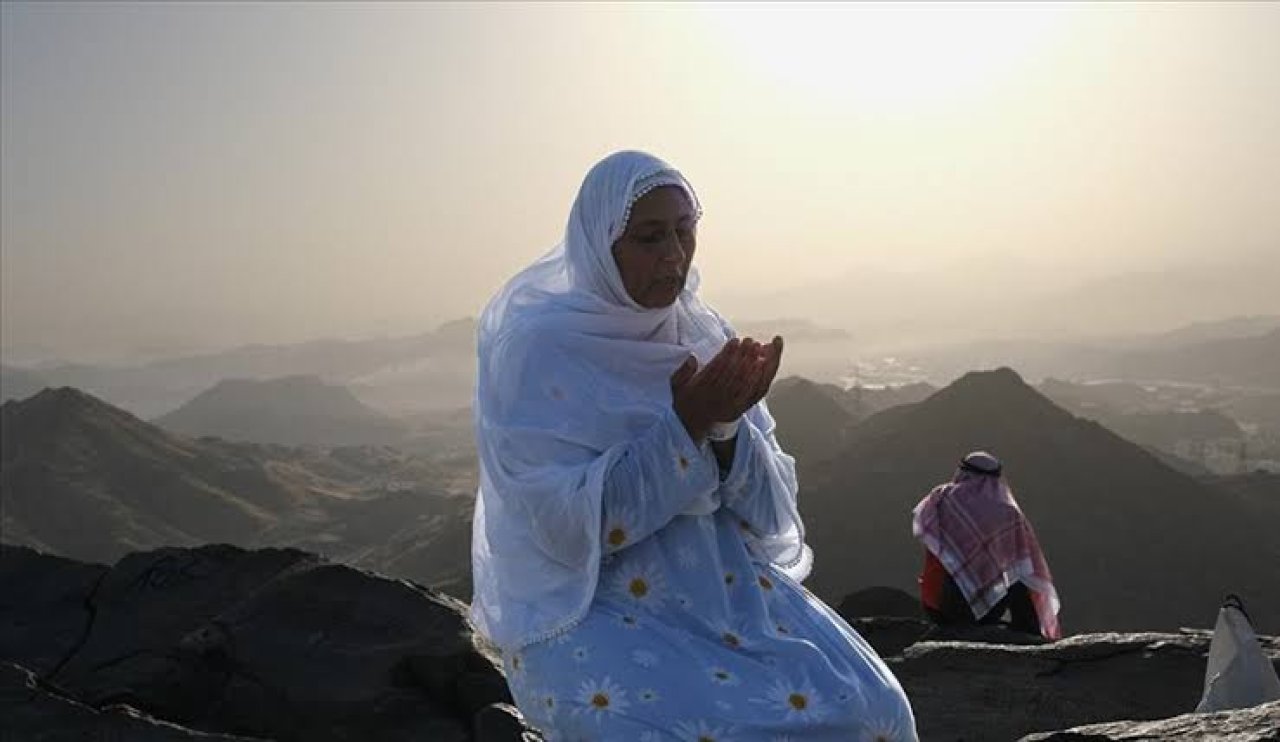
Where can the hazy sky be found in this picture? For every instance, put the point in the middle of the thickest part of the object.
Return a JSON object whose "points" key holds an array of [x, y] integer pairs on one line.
{"points": [[183, 176]]}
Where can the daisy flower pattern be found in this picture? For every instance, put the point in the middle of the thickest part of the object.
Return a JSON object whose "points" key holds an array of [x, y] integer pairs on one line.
{"points": [[797, 701], [620, 527], [889, 729], [690, 635], [730, 634], [641, 583], [598, 697], [700, 731], [722, 676], [682, 463]]}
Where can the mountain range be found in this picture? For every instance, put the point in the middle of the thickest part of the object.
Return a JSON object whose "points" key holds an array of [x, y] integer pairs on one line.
{"points": [[435, 371], [1132, 542], [291, 410], [1012, 296], [432, 370], [1251, 361], [818, 418], [87, 480]]}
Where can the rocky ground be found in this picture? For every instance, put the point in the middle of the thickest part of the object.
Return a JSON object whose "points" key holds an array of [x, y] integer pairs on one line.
{"points": [[1258, 724], [222, 643], [977, 691], [271, 644]]}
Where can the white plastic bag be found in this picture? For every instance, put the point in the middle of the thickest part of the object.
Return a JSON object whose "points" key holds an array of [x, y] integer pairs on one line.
{"points": [[1239, 675]]}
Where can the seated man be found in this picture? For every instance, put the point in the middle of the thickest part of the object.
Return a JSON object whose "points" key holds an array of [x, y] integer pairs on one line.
{"points": [[981, 554]]}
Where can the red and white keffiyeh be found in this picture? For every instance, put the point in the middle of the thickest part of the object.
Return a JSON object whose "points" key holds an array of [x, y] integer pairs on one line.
{"points": [[974, 526]]}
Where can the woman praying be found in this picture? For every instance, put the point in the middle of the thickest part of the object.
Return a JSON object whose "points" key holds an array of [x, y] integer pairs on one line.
{"points": [[637, 547]]}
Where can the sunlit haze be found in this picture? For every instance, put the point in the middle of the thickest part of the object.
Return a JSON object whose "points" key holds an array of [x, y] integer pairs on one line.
{"points": [[181, 177]]}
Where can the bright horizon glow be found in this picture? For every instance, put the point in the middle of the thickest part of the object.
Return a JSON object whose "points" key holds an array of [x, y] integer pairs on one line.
{"points": [[178, 177], [889, 57]]}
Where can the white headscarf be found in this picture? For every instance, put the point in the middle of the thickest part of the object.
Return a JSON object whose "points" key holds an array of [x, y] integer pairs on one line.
{"points": [[570, 370]]}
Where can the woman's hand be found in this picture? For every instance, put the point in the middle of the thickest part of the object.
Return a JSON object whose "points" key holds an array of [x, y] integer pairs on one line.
{"points": [[730, 384]]}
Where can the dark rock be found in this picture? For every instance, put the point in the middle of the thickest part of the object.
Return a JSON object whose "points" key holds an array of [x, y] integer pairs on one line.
{"points": [[466, 682], [36, 713], [982, 634], [275, 643], [45, 610], [890, 635], [502, 722], [972, 691], [880, 601], [1257, 724], [479, 689]]}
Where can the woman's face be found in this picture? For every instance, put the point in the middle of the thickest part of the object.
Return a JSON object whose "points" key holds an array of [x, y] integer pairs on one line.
{"points": [[656, 250]]}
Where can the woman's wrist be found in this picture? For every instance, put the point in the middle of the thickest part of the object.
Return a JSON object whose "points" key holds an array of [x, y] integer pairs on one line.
{"points": [[697, 426], [720, 432]]}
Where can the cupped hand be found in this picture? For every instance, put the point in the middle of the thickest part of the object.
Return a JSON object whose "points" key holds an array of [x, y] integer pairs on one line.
{"points": [[730, 384]]}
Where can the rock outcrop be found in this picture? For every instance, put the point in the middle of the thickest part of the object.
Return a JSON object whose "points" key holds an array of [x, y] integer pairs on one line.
{"points": [[278, 644], [275, 644], [1257, 724], [975, 691], [36, 713]]}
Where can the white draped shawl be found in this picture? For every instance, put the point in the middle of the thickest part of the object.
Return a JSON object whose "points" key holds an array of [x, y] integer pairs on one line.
{"points": [[570, 370]]}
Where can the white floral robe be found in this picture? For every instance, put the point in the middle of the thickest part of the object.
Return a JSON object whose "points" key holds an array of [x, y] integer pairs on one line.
{"points": [[689, 637]]}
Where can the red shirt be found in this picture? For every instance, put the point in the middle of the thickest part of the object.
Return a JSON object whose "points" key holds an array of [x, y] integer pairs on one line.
{"points": [[932, 578]]}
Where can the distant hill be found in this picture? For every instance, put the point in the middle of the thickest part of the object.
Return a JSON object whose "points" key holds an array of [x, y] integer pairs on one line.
{"points": [[816, 418], [1142, 415], [293, 410], [1263, 410], [1165, 430], [1229, 430], [927, 305], [877, 399], [1247, 361], [18, 383], [1143, 301], [1132, 543], [428, 370], [813, 418], [1110, 397], [89, 481], [1207, 354], [83, 479], [1223, 329]]}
